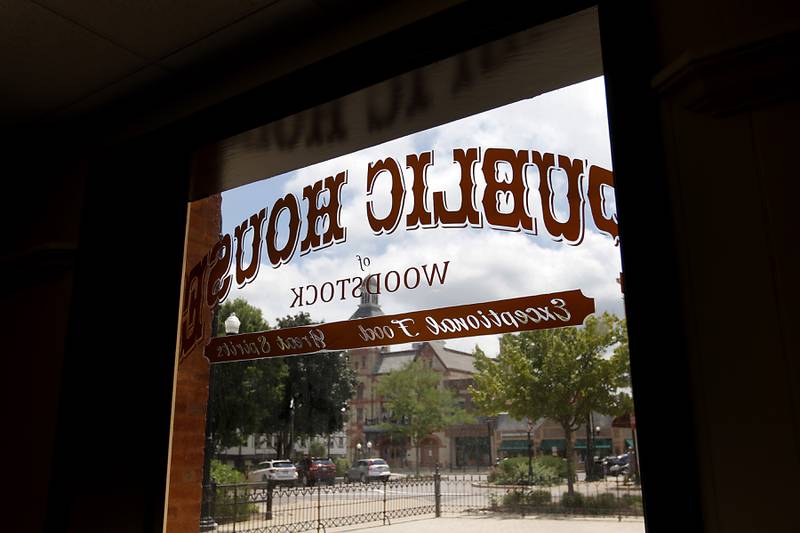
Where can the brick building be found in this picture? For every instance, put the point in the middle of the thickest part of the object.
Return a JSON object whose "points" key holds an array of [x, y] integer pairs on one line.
{"points": [[456, 446], [611, 436], [460, 446]]}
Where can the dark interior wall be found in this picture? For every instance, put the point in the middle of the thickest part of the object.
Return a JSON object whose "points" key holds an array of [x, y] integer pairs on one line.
{"points": [[95, 263], [710, 149]]}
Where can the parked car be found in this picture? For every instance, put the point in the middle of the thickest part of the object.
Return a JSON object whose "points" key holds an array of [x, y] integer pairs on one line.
{"points": [[366, 470], [316, 469], [278, 470]]}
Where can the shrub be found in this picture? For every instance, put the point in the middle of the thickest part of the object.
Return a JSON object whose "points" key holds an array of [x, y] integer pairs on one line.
{"points": [[535, 498], [342, 465], [632, 502], [317, 449], [573, 501], [556, 464], [224, 509], [606, 500], [494, 501], [512, 499], [509, 471], [547, 470], [225, 474], [538, 498]]}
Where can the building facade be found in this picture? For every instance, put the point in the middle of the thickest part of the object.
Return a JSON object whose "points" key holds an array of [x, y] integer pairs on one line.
{"points": [[455, 446], [461, 446]]}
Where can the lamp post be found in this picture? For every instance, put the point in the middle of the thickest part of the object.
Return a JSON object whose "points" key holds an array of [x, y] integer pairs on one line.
{"points": [[358, 450], [369, 448], [291, 429], [207, 522]]}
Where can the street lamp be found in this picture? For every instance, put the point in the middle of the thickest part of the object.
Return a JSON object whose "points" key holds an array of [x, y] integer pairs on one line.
{"points": [[291, 429], [207, 522], [232, 324], [369, 448], [358, 450]]}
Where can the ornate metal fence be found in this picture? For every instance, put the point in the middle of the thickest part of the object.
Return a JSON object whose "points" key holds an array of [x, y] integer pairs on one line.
{"points": [[264, 508]]}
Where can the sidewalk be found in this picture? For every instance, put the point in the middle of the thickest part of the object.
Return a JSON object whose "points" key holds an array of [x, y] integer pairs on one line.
{"points": [[513, 524]]}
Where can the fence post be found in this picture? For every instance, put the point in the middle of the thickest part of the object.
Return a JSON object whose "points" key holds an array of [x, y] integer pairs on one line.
{"points": [[270, 485], [235, 506], [319, 508], [384, 500], [437, 491]]}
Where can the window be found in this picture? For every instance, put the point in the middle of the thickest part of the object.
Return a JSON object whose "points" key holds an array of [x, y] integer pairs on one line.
{"points": [[487, 237]]}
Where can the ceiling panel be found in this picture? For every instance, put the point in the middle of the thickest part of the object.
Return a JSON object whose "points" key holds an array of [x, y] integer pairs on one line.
{"points": [[277, 19], [49, 62], [139, 80], [155, 28]]}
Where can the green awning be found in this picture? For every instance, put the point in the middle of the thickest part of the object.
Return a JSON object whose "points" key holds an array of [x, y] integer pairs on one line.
{"points": [[514, 446], [548, 444], [629, 443], [598, 444]]}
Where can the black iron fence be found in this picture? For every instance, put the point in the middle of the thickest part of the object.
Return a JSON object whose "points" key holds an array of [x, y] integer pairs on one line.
{"points": [[266, 508]]}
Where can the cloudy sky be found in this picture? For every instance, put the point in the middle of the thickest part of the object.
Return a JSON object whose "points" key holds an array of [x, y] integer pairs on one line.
{"points": [[485, 264]]}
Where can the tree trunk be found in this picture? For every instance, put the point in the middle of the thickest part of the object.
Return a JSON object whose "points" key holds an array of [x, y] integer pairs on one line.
{"points": [[590, 466], [281, 445], [416, 452], [570, 460]]}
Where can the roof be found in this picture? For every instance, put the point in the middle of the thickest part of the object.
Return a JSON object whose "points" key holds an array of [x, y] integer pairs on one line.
{"points": [[395, 361], [367, 310], [454, 359], [451, 359]]}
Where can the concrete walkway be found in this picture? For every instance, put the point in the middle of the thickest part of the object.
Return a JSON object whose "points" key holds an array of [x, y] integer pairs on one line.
{"points": [[494, 524]]}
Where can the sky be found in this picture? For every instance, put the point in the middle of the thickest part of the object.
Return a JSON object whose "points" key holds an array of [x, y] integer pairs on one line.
{"points": [[484, 264]]}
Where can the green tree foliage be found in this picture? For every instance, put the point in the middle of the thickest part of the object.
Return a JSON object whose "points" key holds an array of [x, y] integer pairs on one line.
{"points": [[317, 448], [255, 396], [320, 385], [247, 394], [419, 403], [562, 374]]}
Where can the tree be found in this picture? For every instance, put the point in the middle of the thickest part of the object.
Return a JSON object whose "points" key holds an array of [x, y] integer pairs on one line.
{"points": [[317, 448], [255, 396], [562, 374], [247, 394], [317, 386], [420, 406]]}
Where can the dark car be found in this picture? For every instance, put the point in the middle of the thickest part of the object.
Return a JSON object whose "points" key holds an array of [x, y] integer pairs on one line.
{"points": [[316, 469]]}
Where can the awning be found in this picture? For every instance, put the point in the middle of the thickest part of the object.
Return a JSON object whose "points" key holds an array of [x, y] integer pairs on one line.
{"points": [[548, 444], [629, 443], [597, 444], [514, 446]]}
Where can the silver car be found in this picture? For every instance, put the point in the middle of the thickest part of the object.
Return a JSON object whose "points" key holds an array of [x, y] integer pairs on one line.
{"points": [[366, 470]]}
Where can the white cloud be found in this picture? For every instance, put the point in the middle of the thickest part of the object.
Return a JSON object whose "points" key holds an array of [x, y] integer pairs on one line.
{"points": [[485, 264]]}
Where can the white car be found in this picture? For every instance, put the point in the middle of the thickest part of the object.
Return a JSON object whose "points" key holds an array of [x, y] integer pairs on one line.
{"points": [[367, 470], [278, 470]]}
